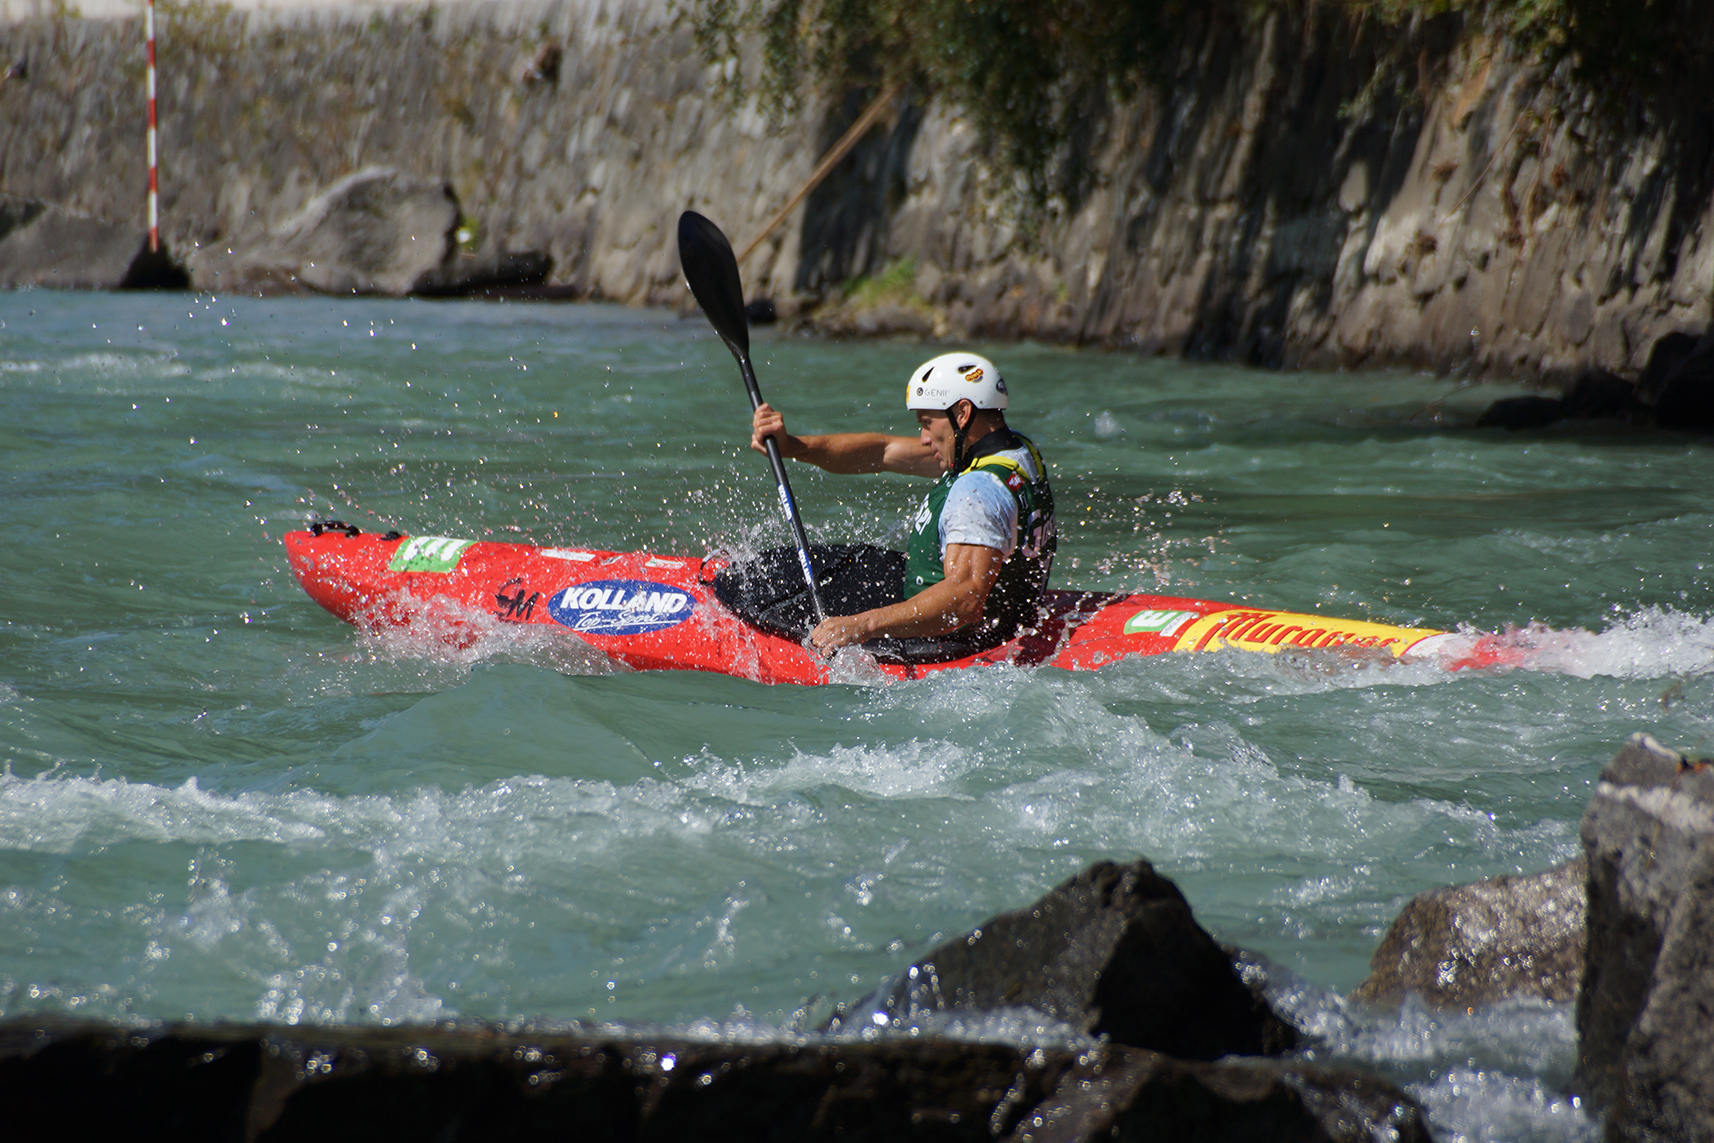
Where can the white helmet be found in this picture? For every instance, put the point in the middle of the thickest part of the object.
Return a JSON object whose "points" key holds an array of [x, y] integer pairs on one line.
{"points": [[953, 377]]}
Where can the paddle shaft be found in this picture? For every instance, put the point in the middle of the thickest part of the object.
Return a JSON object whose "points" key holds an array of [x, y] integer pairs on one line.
{"points": [[787, 503], [711, 272]]}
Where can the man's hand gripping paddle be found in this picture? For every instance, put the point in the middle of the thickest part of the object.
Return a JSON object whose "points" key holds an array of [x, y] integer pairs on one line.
{"points": [[712, 273]]}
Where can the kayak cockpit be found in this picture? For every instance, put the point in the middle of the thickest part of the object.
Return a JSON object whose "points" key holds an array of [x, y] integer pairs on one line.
{"points": [[768, 591]]}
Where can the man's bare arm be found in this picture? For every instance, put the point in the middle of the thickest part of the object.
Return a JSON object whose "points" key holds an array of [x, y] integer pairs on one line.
{"points": [[844, 453], [971, 570]]}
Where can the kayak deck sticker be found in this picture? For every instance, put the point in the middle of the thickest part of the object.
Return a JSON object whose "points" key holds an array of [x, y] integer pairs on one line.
{"points": [[428, 554], [1257, 629], [621, 607]]}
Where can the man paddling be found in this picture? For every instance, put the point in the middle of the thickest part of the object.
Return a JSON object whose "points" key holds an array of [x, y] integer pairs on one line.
{"points": [[982, 543]]}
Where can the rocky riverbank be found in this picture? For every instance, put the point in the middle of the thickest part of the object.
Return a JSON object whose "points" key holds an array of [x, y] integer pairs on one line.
{"points": [[1186, 1048], [75, 1082], [1295, 195], [1624, 932], [1148, 1027]]}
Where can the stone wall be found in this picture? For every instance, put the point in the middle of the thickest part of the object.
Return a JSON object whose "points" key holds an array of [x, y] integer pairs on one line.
{"points": [[589, 163], [1309, 192], [1302, 191]]}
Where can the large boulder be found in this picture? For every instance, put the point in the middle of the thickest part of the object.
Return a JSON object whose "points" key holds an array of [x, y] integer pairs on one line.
{"points": [[42, 245], [1595, 395], [1664, 356], [320, 1085], [379, 231], [1124, 1093], [888, 319], [1686, 398], [492, 273], [1522, 413], [1645, 1015], [1600, 395], [1114, 951], [1505, 938]]}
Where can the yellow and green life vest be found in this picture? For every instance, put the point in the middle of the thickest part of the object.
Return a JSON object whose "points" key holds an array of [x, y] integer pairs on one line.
{"points": [[1023, 577]]}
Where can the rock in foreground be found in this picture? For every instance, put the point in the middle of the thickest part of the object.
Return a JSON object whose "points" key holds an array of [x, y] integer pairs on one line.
{"points": [[1505, 938], [1112, 952], [1128, 1094], [1645, 1016], [327, 1085]]}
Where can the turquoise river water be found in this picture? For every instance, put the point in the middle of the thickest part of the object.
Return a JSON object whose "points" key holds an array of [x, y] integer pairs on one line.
{"points": [[219, 802]]}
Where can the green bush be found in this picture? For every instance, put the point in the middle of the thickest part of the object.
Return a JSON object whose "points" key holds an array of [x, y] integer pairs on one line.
{"points": [[895, 284]]}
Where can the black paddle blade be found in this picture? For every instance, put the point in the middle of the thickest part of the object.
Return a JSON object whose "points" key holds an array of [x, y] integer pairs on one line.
{"points": [[712, 272]]}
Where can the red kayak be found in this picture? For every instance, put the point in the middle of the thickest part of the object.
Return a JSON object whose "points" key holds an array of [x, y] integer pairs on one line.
{"points": [[653, 612]]}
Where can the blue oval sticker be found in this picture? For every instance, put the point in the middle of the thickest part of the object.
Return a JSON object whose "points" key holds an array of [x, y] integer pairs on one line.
{"points": [[621, 607]]}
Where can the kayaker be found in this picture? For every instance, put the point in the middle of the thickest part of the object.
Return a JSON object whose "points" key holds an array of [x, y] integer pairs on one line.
{"points": [[981, 545]]}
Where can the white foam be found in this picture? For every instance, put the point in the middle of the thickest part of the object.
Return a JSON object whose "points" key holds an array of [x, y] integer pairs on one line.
{"points": [[1488, 1075], [1018, 1025], [912, 770], [1471, 1105], [1651, 643], [445, 634], [61, 815]]}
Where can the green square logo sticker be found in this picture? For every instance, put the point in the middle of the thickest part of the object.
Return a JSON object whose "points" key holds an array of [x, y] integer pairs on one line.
{"points": [[1158, 622], [428, 554]]}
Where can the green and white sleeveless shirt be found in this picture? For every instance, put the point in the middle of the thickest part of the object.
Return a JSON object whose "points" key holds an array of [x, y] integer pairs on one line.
{"points": [[1000, 500]]}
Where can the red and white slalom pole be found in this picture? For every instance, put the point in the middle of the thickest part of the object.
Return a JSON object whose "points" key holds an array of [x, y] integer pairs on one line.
{"points": [[154, 177]]}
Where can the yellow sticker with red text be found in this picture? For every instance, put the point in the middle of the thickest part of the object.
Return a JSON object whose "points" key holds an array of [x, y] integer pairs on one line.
{"points": [[1252, 629]]}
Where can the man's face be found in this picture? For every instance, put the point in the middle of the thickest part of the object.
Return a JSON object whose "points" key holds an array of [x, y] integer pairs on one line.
{"points": [[936, 433]]}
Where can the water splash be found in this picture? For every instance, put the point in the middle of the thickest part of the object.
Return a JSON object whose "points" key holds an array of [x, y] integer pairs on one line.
{"points": [[435, 632], [1649, 643], [1470, 1105], [1490, 1075]]}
